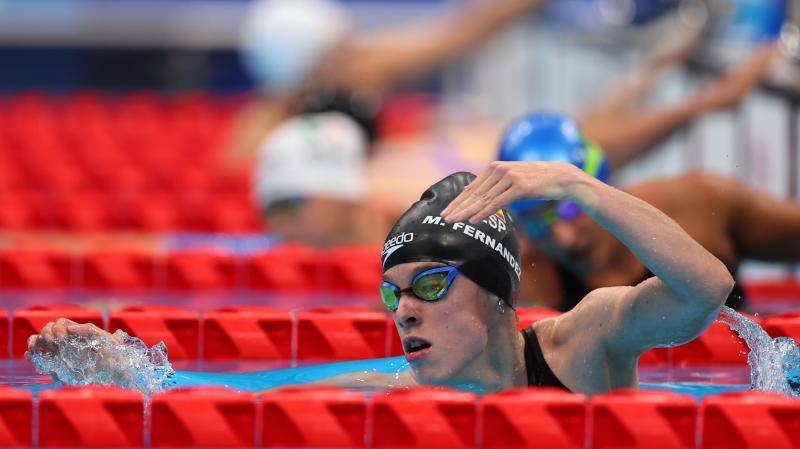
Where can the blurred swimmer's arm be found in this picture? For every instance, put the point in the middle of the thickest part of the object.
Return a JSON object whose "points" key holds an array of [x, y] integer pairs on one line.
{"points": [[387, 56], [677, 305], [248, 130], [761, 226], [626, 134]]}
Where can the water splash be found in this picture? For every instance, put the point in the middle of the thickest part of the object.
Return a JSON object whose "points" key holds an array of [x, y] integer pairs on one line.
{"points": [[774, 362], [118, 359]]}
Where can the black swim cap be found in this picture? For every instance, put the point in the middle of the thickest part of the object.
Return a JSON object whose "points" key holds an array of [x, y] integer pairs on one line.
{"points": [[487, 252]]}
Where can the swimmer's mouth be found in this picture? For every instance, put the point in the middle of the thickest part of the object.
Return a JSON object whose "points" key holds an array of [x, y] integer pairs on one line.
{"points": [[414, 344]]}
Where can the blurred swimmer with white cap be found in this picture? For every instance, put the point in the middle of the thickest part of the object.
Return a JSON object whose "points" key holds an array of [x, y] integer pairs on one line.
{"points": [[309, 182], [307, 57]]}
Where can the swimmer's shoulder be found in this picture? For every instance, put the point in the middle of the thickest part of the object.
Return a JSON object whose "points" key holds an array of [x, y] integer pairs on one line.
{"points": [[685, 193]]}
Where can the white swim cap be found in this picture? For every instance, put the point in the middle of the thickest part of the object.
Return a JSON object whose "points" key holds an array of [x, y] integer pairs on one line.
{"points": [[312, 155], [283, 40]]}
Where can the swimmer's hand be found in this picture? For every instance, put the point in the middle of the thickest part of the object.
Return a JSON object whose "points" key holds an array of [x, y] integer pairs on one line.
{"points": [[730, 89], [505, 182], [50, 342]]}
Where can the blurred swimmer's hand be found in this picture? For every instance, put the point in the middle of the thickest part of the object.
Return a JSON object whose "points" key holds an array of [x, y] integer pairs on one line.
{"points": [[733, 86], [53, 334], [505, 182]]}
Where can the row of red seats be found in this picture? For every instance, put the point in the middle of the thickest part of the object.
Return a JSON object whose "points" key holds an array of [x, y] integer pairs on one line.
{"points": [[421, 417], [97, 212], [343, 333], [87, 140], [284, 268]]}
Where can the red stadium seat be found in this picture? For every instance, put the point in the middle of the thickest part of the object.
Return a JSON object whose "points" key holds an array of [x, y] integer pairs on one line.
{"points": [[91, 417], [232, 214], [85, 212], [750, 420], [16, 412], [23, 211], [119, 269], [544, 418], [353, 269], [200, 270], [287, 267], [179, 329], [313, 417], [26, 322], [342, 333], [36, 268], [718, 345], [247, 333], [156, 212], [424, 417], [203, 417], [651, 419]]}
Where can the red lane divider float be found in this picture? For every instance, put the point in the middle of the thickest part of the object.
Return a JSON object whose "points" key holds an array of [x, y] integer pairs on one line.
{"points": [[750, 420], [341, 333], [179, 329], [783, 325], [41, 268], [530, 315], [717, 345], [541, 418], [424, 417], [651, 419], [247, 333], [16, 412], [119, 270], [353, 269], [200, 270], [203, 417], [286, 267], [26, 322], [313, 417], [91, 417]]}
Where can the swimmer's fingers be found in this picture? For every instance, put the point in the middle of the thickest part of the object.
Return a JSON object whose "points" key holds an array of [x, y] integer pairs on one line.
{"points": [[475, 189], [86, 330], [487, 200], [499, 200]]}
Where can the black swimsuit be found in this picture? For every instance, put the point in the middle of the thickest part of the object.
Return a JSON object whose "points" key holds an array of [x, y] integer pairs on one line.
{"points": [[539, 372]]}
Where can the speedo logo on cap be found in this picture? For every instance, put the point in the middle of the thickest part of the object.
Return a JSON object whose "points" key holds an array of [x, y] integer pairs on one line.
{"points": [[395, 243]]}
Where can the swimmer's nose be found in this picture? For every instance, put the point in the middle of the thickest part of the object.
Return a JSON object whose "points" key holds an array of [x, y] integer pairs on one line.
{"points": [[407, 314]]}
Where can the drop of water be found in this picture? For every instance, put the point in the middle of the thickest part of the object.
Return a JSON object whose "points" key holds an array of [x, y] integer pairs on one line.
{"points": [[774, 363], [123, 360]]}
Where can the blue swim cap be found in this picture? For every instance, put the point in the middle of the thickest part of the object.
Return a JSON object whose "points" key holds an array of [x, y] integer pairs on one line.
{"points": [[550, 137]]}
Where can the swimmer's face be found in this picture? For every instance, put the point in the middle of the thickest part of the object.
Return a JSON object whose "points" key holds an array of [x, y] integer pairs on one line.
{"points": [[311, 221], [570, 242], [452, 332]]}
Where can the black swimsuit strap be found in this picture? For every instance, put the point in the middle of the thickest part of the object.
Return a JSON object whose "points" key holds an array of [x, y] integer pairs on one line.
{"points": [[539, 372]]}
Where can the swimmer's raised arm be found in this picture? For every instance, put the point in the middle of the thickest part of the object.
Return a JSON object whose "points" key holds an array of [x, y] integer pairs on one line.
{"points": [[675, 306], [626, 133], [394, 54]]}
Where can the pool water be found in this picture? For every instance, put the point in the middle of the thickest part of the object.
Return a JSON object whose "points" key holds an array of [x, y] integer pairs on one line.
{"points": [[256, 376]]}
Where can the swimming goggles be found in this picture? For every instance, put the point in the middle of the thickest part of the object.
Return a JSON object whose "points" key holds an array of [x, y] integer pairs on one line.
{"points": [[429, 285], [284, 206], [538, 223]]}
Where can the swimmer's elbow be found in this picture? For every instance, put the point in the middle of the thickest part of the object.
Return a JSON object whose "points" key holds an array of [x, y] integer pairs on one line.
{"points": [[719, 287]]}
